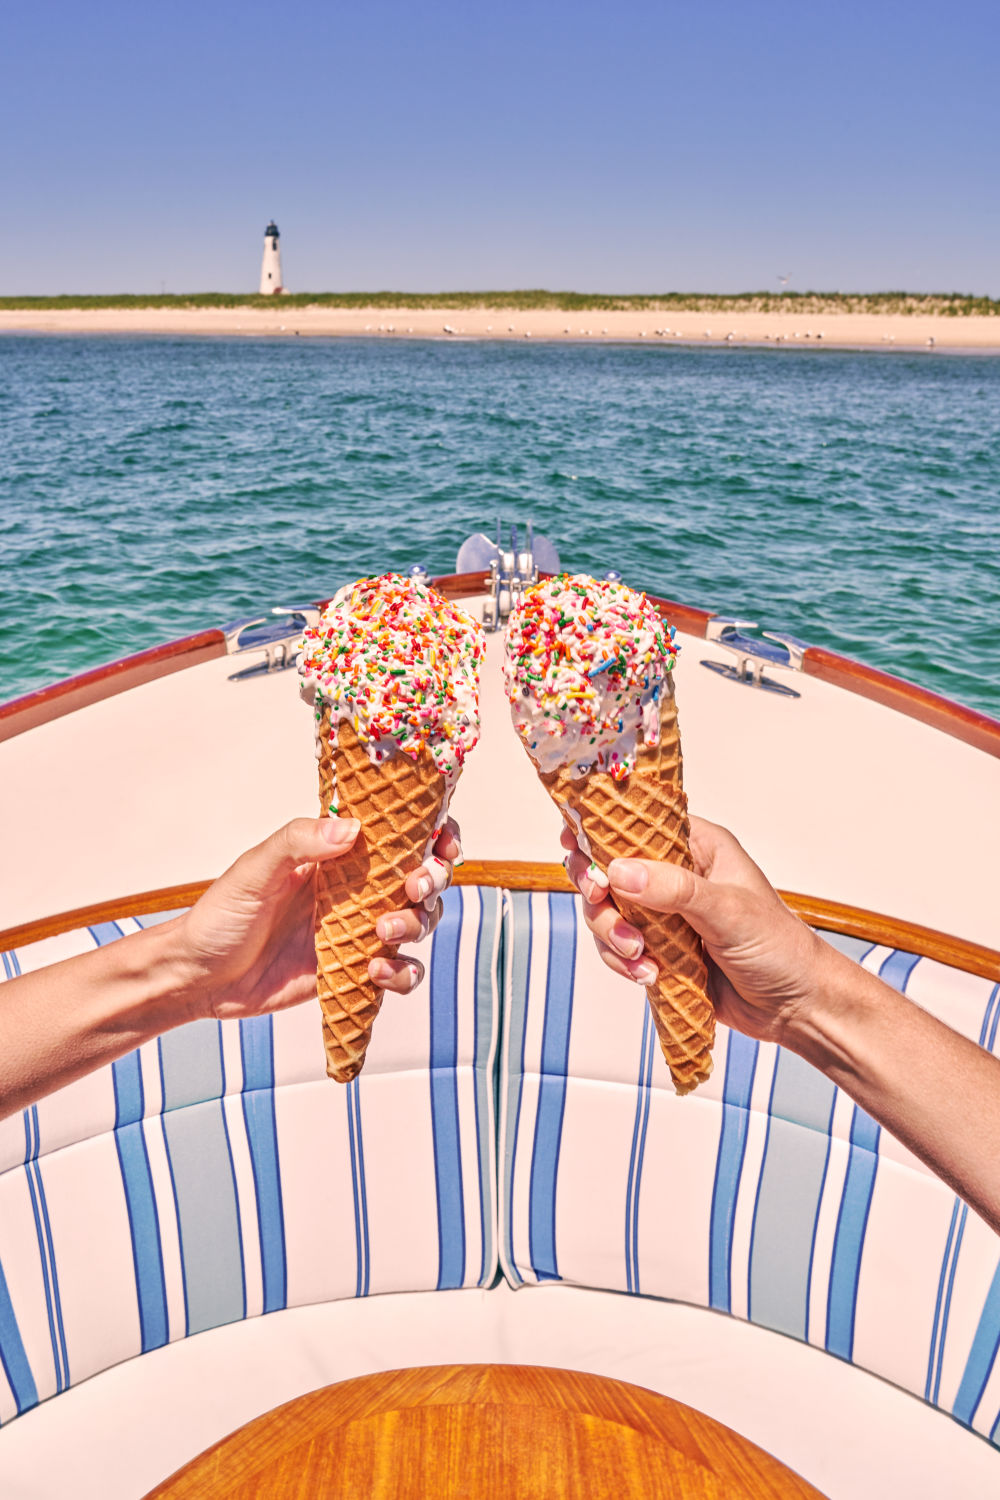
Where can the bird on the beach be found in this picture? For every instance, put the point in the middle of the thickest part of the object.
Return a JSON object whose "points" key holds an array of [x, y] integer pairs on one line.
{"points": [[510, 328], [930, 343]]}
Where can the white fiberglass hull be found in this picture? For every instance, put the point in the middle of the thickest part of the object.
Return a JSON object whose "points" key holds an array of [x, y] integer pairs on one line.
{"points": [[833, 794]]}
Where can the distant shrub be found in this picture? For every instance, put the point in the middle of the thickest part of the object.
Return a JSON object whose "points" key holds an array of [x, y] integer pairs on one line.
{"points": [[908, 304]]}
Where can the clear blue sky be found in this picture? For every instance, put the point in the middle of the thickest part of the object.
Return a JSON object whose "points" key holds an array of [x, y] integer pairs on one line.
{"points": [[445, 145]]}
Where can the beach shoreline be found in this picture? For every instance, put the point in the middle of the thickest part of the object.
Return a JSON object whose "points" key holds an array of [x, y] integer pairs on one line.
{"points": [[784, 329]]}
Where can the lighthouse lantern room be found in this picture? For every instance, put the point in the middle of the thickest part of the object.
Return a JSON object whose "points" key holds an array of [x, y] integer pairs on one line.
{"points": [[270, 271]]}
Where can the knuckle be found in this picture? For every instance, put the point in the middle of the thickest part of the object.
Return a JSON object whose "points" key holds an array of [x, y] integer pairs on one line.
{"points": [[294, 835]]}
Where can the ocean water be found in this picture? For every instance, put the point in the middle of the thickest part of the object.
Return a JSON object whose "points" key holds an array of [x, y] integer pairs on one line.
{"points": [[152, 487]]}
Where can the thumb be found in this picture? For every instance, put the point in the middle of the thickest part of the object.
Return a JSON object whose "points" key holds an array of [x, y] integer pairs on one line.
{"points": [[670, 888], [299, 842], [309, 839]]}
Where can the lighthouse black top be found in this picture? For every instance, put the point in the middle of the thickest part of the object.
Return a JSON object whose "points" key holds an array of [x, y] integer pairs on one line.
{"points": [[271, 232]]}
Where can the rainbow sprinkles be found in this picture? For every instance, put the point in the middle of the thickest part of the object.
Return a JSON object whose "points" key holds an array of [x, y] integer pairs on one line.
{"points": [[402, 665], [586, 664]]}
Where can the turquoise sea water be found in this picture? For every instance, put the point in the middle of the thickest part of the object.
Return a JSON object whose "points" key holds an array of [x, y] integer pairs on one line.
{"points": [[151, 487]]}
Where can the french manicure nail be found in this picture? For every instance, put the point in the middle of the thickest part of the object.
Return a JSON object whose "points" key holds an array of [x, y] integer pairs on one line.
{"points": [[340, 830], [628, 875], [390, 928], [424, 887], [626, 942], [416, 971], [597, 876], [645, 972]]}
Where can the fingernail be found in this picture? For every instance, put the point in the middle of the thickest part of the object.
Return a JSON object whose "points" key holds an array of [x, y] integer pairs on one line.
{"points": [[416, 972], [597, 877], [628, 875], [645, 972], [389, 928], [424, 887], [626, 941], [459, 858], [340, 830]]}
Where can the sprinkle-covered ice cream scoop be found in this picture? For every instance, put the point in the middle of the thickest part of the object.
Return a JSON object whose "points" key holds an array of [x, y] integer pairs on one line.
{"points": [[401, 664], [584, 669]]}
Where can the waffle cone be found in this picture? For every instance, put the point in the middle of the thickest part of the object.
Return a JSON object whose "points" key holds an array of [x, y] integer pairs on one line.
{"points": [[645, 817], [398, 803]]}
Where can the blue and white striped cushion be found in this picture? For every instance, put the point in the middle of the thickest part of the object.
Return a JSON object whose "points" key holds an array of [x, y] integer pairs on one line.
{"points": [[216, 1173], [767, 1194]]}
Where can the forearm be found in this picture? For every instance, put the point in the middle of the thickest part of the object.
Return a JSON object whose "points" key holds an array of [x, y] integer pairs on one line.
{"points": [[61, 1022], [935, 1090]]}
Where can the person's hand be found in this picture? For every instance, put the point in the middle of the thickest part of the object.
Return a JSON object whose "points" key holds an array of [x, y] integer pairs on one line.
{"points": [[765, 965], [247, 945]]}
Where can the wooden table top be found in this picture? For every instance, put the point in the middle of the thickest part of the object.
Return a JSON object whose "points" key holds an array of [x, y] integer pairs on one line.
{"points": [[515, 1431]]}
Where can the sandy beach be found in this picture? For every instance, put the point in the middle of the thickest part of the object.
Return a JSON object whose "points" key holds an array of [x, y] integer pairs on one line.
{"points": [[839, 330]]}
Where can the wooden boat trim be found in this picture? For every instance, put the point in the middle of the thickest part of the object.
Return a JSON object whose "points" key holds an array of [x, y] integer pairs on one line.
{"points": [[65, 697], [522, 875], [962, 723]]}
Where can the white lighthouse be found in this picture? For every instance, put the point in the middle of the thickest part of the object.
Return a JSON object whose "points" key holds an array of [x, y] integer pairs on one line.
{"points": [[270, 271]]}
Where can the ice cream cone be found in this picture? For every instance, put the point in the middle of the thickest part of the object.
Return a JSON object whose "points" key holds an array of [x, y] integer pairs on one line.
{"points": [[587, 672], [391, 671], [644, 816], [398, 803]]}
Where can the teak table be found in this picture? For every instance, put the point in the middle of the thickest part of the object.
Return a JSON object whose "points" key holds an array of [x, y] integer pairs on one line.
{"points": [[511, 1431]]}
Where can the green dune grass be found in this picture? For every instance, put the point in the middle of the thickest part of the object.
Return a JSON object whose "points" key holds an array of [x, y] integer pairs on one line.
{"points": [[938, 304]]}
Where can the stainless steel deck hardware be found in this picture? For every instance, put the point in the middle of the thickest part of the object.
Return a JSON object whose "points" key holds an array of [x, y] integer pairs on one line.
{"points": [[275, 633], [510, 573], [509, 569], [753, 654]]}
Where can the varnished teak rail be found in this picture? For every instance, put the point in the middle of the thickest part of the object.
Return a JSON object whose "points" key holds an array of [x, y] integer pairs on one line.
{"points": [[522, 875]]}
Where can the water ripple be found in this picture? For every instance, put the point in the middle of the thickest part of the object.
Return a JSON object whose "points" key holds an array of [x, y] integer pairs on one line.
{"points": [[153, 487]]}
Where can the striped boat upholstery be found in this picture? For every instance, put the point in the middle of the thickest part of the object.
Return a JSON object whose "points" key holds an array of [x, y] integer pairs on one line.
{"points": [[216, 1173], [767, 1194]]}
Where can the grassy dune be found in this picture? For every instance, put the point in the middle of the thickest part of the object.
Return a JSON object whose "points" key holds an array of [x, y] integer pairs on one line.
{"points": [[939, 304]]}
